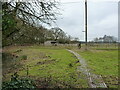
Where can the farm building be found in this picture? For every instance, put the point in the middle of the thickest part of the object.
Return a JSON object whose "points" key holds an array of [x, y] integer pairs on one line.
{"points": [[50, 43]]}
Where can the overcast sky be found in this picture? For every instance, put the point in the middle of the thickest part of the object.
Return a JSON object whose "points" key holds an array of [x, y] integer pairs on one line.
{"points": [[102, 18]]}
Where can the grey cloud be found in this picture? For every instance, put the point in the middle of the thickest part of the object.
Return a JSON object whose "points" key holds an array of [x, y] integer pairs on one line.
{"points": [[102, 19]]}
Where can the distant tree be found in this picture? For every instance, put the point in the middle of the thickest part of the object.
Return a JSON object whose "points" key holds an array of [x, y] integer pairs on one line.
{"points": [[68, 39], [106, 39], [76, 39], [56, 32], [109, 38], [58, 35], [96, 40]]}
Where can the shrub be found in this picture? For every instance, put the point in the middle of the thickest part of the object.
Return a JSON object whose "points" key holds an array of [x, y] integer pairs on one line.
{"points": [[24, 57], [16, 82]]}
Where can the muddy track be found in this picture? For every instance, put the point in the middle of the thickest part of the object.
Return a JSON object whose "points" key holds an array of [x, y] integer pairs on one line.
{"points": [[94, 81]]}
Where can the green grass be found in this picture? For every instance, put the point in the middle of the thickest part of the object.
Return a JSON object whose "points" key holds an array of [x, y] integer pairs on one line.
{"points": [[103, 62], [55, 64], [56, 67]]}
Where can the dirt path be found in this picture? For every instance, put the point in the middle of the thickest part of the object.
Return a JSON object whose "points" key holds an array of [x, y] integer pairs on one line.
{"points": [[94, 81]]}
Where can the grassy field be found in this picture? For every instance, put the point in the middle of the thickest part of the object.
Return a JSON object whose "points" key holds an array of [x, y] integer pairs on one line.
{"points": [[48, 66], [56, 67], [103, 62]]}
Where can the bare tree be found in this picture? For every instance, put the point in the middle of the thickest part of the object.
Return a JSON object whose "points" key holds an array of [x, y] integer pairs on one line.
{"points": [[17, 15], [56, 33], [43, 11]]}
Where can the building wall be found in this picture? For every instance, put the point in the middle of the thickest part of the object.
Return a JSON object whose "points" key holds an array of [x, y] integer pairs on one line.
{"points": [[47, 43]]}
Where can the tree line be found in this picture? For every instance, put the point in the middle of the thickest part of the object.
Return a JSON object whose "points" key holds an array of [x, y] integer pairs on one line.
{"points": [[20, 23], [106, 39]]}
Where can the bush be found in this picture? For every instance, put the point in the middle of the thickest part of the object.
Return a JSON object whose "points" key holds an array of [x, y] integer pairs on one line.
{"points": [[18, 83], [24, 57]]}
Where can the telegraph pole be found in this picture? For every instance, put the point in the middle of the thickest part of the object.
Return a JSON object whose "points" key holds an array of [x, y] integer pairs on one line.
{"points": [[86, 24]]}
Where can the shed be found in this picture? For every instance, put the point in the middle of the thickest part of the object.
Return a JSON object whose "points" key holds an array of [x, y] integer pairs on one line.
{"points": [[50, 43]]}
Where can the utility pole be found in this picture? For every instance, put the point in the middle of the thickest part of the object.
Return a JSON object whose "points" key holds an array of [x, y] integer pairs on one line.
{"points": [[86, 24]]}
